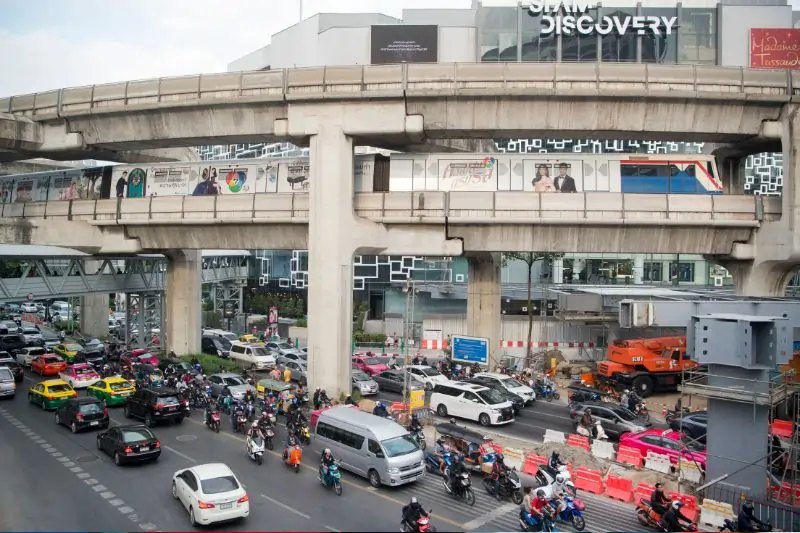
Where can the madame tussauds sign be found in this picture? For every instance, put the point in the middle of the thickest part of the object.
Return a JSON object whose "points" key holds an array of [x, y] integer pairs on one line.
{"points": [[573, 17]]}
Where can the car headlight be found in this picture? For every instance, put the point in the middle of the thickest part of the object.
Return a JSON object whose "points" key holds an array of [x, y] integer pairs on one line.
{"points": [[393, 470], [494, 410]]}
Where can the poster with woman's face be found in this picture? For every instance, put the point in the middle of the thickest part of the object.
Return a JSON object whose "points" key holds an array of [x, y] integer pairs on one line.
{"points": [[541, 178], [552, 176]]}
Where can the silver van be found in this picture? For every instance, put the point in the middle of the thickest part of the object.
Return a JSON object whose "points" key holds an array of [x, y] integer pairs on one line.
{"points": [[7, 385], [372, 447]]}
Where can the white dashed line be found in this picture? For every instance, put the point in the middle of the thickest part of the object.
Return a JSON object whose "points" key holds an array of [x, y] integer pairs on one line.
{"points": [[99, 489]]}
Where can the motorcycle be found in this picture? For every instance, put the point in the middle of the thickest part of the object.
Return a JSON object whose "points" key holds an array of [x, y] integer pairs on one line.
{"points": [[572, 512], [423, 525], [460, 487], [241, 423], [214, 422], [432, 462], [647, 516], [419, 436], [547, 392], [671, 414], [545, 480], [597, 433], [510, 487], [641, 411], [303, 433], [332, 478], [529, 522], [269, 434], [187, 409], [255, 448], [292, 457], [732, 525]]}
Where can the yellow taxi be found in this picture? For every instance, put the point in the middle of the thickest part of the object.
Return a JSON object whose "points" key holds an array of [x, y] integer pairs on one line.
{"points": [[51, 394], [114, 390], [68, 350], [250, 339]]}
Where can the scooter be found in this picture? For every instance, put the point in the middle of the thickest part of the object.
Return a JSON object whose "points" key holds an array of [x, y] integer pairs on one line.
{"points": [[647, 516], [214, 423], [292, 456], [255, 449], [733, 526], [597, 433], [303, 433], [546, 391], [572, 513], [269, 434], [529, 522], [461, 487], [432, 462], [419, 436], [332, 478], [510, 487], [423, 525], [241, 423]]}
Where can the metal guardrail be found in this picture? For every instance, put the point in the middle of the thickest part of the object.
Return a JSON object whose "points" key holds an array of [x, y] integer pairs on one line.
{"points": [[410, 80], [588, 208]]}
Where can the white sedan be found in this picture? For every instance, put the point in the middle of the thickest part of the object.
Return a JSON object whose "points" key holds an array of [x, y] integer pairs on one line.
{"points": [[210, 493]]}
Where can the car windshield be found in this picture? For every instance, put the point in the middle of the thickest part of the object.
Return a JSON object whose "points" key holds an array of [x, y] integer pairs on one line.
{"points": [[283, 346], [136, 435], [91, 408], [259, 351], [223, 344], [360, 376], [230, 336], [398, 446], [511, 383], [233, 380], [30, 331], [491, 396], [625, 414], [48, 335], [93, 341], [371, 361], [119, 385], [35, 351], [168, 400], [84, 371], [145, 356], [6, 375], [59, 388], [73, 347], [430, 371], [52, 360], [218, 485]]}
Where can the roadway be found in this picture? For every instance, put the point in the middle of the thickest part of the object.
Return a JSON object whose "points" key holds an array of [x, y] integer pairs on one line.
{"points": [[84, 490]]}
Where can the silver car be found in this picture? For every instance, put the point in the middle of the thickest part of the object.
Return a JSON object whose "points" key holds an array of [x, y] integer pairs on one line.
{"points": [[7, 385], [364, 384], [280, 348], [230, 382], [298, 369]]}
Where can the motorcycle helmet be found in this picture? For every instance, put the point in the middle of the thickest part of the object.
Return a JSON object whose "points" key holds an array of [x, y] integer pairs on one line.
{"points": [[627, 391], [540, 493], [560, 478], [414, 500], [254, 425], [556, 455], [318, 389], [499, 458], [456, 459], [588, 411], [677, 505], [377, 404], [747, 507]]}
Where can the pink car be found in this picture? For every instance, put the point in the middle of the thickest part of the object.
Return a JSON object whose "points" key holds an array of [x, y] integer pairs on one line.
{"points": [[665, 442], [144, 357], [370, 365], [79, 375]]}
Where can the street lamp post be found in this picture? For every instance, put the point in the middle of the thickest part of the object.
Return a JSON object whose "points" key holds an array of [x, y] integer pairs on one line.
{"points": [[410, 290]]}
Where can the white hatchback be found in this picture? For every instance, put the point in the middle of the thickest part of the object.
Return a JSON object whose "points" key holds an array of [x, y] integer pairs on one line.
{"points": [[211, 493]]}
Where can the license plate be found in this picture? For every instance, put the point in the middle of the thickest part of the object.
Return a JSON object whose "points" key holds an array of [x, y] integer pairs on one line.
{"points": [[144, 449], [172, 408], [95, 423], [225, 505]]}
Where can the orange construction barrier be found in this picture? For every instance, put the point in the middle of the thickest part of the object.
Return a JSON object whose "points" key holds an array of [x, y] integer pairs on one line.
{"points": [[497, 448], [782, 428], [690, 508], [619, 488], [643, 491], [532, 462], [579, 441], [589, 480], [630, 456]]}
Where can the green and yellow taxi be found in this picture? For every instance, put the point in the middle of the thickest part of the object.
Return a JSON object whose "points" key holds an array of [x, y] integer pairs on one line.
{"points": [[114, 390], [51, 394], [68, 350], [250, 339]]}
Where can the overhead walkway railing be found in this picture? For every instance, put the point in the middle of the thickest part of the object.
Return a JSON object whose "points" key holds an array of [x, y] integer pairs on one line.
{"points": [[595, 208], [410, 80]]}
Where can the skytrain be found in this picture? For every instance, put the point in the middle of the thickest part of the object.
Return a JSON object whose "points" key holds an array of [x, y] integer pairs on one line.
{"points": [[566, 173]]}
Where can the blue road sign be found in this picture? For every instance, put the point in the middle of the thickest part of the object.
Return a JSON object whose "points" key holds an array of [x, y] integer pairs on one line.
{"points": [[470, 349]]}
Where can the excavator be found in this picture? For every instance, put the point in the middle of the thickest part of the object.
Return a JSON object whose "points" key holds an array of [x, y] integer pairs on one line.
{"points": [[645, 366]]}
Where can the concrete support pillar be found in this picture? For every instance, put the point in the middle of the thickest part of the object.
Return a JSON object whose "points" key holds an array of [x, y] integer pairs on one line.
{"points": [[731, 171], [638, 269], [483, 300], [558, 271], [94, 307], [183, 294]]}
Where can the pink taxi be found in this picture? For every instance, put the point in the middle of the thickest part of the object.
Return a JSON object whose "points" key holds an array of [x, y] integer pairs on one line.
{"points": [[665, 442], [79, 375], [370, 365]]}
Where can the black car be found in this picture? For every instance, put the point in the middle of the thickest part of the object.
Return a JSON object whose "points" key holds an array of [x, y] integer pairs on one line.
{"points": [[95, 358], [94, 345], [129, 444], [215, 346], [517, 402], [82, 413], [694, 425], [12, 343], [14, 366], [155, 404]]}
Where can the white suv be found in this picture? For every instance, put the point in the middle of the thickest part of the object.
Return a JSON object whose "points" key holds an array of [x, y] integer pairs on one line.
{"points": [[473, 402], [508, 383], [254, 356], [427, 375]]}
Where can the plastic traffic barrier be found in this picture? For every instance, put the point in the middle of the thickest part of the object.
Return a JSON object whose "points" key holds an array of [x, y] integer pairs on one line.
{"points": [[782, 428], [514, 458], [630, 456], [497, 448], [714, 513], [579, 441], [602, 449], [551, 435], [643, 491], [619, 488], [658, 462], [689, 471], [588, 480], [690, 508]]}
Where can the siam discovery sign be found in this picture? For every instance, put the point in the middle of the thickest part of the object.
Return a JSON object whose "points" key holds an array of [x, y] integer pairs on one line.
{"points": [[775, 48], [572, 17]]}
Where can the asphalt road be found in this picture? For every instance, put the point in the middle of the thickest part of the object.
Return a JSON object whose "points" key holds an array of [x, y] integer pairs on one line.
{"points": [[59, 481]]}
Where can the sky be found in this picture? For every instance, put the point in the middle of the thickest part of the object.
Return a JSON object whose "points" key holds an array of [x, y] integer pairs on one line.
{"points": [[49, 44]]}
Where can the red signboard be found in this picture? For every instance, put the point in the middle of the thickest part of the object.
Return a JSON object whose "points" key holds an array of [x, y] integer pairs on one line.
{"points": [[775, 48]]}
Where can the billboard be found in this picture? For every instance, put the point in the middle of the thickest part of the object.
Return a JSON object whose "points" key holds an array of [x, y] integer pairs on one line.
{"points": [[775, 48], [404, 43]]}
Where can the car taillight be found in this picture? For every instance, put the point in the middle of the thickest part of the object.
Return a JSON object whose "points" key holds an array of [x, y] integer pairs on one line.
{"points": [[51, 397], [105, 412], [158, 406], [79, 417], [573, 413], [204, 505], [245, 498], [158, 444], [184, 402], [128, 450]]}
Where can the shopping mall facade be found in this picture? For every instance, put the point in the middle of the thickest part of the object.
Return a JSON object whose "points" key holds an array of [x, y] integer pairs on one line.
{"points": [[702, 32]]}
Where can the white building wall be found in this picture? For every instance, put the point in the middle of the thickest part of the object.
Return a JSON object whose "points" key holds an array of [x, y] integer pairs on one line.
{"points": [[457, 45], [345, 46], [735, 24]]}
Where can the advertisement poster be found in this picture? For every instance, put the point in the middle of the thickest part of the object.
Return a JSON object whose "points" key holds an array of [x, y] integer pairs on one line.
{"points": [[167, 181], [295, 174], [404, 43], [775, 48], [129, 182], [468, 174], [552, 176], [242, 179], [273, 316]]}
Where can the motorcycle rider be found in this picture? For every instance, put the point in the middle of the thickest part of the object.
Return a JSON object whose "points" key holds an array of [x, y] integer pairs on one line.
{"points": [[747, 521], [671, 521], [326, 460], [415, 426], [315, 399], [456, 470], [238, 411], [349, 400], [413, 512], [554, 463], [380, 410], [587, 422], [527, 502], [624, 400], [499, 471], [440, 450], [658, 500], [560, 484], [540, 505], [210, 408]]}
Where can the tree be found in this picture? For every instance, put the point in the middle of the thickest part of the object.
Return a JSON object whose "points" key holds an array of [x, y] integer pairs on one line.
{"points": [[530, 259]]}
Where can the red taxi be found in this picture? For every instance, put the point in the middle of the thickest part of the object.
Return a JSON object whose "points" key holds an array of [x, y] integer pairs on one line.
{"points": [[48, 365]]}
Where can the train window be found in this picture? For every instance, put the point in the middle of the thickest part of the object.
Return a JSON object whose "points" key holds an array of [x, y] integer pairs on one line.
{"points": [[627, 171], [690, 170], [652, 171], [673, 171], [710, 169]]}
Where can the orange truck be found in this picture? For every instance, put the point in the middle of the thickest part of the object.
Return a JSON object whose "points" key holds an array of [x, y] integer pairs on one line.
{"points": [[645, 366]]}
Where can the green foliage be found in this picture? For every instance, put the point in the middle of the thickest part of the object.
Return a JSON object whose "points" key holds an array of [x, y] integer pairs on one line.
{"points": [[67, 325], [289, 305], [356, 395], [530, 258], [301, 323], [208, 305], [11, 269], [360, 312], [211, 319], [213, 364], [362, 337]]}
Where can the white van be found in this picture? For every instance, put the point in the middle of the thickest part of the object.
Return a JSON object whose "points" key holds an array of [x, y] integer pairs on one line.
{"points": [[473, 402], [378, 449], [229, 335], [254, 356], [507, 382]]}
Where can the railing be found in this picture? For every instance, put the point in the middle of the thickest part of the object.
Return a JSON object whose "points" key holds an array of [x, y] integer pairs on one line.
{"points": [[410, 80], [588, 208]]}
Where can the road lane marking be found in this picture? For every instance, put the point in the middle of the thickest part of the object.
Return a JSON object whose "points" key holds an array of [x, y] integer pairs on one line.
{"points": [[99, 489], [488, 517], [287, 507], [329, 528], [176, 452]]}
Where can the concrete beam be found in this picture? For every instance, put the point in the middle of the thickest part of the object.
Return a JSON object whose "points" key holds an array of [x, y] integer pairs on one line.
{"points": [[678, 314], [78, 235], [33, 165], [157, 155], [19, 133]]}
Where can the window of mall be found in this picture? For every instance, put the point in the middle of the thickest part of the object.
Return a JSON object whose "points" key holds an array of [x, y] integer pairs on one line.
{"points": [[681, 35]]}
